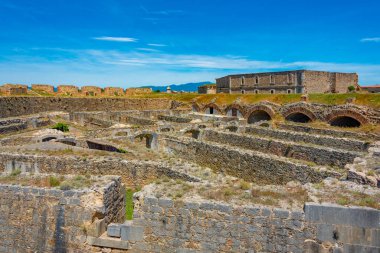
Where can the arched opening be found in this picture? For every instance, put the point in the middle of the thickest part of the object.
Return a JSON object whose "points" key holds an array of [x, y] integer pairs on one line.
{"points": [[46, 139], [345, 121], [257, 116], [298, 117], [232, 128], [211, 110], [234, 112]]}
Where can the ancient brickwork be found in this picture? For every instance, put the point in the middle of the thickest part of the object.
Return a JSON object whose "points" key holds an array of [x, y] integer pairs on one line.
{"points": [[268, 169], [134, 173], [52, 220], [137, 91], [207, 89], [14, 89], [319, 155], [67, 90], [43, 87], [15, 106], [216, 227], [297, 81], [91, 91], [113, 91]]}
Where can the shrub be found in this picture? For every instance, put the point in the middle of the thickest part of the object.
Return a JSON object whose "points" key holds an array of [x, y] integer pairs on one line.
{"points": [[61, 127], [54, 182], [245, 185], [351, 88]]}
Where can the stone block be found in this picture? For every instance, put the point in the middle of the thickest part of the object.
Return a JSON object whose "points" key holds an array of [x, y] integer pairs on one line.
{"points": [[113, 230], [334, 214], [165, 203], [131, 233], [97, 228], [108, 242]]}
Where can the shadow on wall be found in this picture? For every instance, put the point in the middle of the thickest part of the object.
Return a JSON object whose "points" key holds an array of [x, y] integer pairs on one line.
{"points": [[345, 121], [257, 116], [298, 117]]}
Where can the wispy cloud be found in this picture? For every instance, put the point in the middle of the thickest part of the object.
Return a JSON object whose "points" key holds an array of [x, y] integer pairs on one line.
{"points": [[117, 39], [148, 49], [377, 39], [157, 45], [160, 12]]}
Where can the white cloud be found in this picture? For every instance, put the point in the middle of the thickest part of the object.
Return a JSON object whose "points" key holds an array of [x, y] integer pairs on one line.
{"points": [[147, 49], [156, 45], [370, 39], [117, 39]]}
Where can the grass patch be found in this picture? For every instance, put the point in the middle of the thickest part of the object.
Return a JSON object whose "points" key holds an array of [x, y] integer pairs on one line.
{"points": [[129, 204], [16, 172], [61, 127]]}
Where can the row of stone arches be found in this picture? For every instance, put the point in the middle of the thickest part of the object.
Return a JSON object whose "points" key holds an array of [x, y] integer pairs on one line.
{"points": [[299, 114]]}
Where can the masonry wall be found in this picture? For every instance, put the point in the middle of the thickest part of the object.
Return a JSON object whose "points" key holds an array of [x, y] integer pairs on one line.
{"points": [[319, 155], [15, 106], [50, 220], [43, 87], [253, 166], [67, 89], [189, 226], [133, 173], [113, 91]]}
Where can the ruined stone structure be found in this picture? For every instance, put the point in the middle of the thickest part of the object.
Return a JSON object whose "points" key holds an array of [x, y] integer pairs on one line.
{"points": [[207, 89], [14, 89], [43, 87], [67, 90], [91, 90], [137, 91], [113, 91], [288, 82], [158, 175]]}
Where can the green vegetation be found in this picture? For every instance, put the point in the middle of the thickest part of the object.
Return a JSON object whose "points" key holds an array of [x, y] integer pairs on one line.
{"points": [[129, 204], [54, 182], [61, 127], [123, 151], [16, 172], [351, 88], [75, 183]]}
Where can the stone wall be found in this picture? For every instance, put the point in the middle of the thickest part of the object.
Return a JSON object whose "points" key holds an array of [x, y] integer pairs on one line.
{"points": [[15, 106], [50, 220], [253, 166], [174, 119], [113, 91], [327, 141], [16, 124], [188, 226], [137, 91], [320, 155], [133, 173], [43, 87], [67, 89], [91, 91]]}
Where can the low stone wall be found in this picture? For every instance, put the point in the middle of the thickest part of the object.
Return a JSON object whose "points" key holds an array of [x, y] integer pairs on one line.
{"points": [[331, 132], [319, 155], [174, 119], [15, 106], [16, 124], [133, 173], [50, 220], [139, 121], [248, 165], [186, 226], [327, 141]]}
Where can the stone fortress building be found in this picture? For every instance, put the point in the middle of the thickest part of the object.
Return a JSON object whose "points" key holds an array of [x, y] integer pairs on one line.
{"points": [[295, 81]]}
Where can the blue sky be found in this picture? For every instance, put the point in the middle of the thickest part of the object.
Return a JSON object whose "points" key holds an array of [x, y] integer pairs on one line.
{"points": [[155, 42]]}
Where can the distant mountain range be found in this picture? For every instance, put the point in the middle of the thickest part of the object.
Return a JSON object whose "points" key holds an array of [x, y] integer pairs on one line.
{"points": [[189, 87]]}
